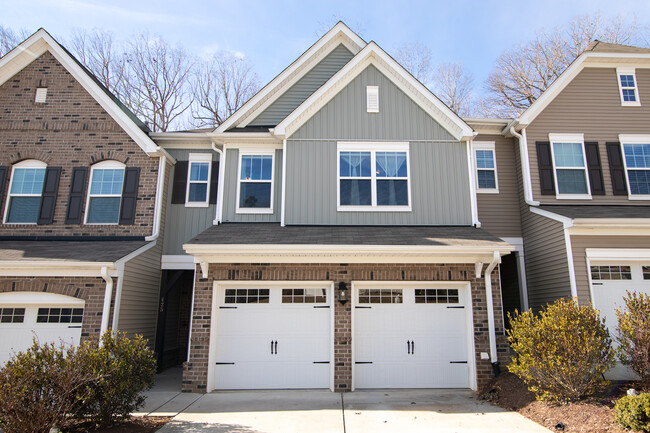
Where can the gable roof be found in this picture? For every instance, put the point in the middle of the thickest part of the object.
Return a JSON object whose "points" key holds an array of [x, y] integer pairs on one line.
{"points": [[39, 43], [597, 54], [372, 54], [339, 34]]}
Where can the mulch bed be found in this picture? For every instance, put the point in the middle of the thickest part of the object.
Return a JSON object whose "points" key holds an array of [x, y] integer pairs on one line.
{"points": [[147, 424], [592, 415]]}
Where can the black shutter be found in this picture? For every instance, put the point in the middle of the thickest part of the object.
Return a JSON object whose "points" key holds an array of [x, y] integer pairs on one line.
{"points": [[546, 178], [48, 198], [214, 182], [129, 195], [3, 178], [77, 194], [180, 182], [616, 168], [595, 169]]}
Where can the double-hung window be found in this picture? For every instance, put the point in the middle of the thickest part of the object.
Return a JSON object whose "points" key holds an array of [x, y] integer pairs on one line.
{"points": [[569, 164], [25, 190], [255, 184], [636, 158], [373, 176], [486, 167], [198, 180], [105, 193], [627, 87]]}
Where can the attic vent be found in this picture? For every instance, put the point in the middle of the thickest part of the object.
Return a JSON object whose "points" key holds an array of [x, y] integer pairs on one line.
{"points": [[41, 95], [372, 99]]}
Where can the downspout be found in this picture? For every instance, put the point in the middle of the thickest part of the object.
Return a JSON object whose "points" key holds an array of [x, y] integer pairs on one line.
{"points": [[107, 300], [525, 165], [472, 185], [222, 168], [284, 181], [157, 217], [496, 259]]}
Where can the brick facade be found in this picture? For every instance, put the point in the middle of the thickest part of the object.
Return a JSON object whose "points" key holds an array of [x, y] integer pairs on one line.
{"points": [[195, 371], [90, 289], [70, 130]]}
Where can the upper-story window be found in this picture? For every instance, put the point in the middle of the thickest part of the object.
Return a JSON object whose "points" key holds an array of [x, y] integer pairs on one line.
{"points": [[105, 193], [486, 167], [255, 183], [373, 176], [569, 164], [627, 87], [25, 191], [636, 158], [198, 180]]}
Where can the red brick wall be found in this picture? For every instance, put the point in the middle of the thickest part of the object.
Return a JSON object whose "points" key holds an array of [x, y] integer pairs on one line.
{"points": [[70, 130], [195, 371], [90, 289]]}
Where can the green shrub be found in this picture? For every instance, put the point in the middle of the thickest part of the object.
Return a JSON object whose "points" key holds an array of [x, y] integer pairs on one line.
{"points": [[633, 412], [123, 368], [561, 353], [634, 335], [39, 388]]}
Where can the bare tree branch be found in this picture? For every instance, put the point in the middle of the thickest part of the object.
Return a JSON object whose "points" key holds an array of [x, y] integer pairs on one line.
{"points": [[416, 58], [453, 85], [9, 39]]}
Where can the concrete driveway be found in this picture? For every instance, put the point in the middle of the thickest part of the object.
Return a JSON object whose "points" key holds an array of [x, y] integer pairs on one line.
{"points": [[392, 411]]}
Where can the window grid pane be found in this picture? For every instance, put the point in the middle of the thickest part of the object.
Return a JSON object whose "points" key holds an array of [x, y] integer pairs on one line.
{"points": [[255, 195], [629, 95], [380, 296], [627, 80], [571, 181], [107, 181], [256, 167], [246, 296], [12, 315], [646, 272], [486, 179], [199, 171], [354, 164], [484, 159], [198, 192], [637, 155], [23, 209], [304, 296], [639, 182], [28, 181], [104, 210], [611, 273], [391, 164], [436, 296], [60, 315], [568, 155]]}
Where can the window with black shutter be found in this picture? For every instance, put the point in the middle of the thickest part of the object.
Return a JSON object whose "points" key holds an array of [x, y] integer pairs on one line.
{"points": [[545, 163], [48, 197], [594, 166], [129, 195], [76, 197], [616, 168]]}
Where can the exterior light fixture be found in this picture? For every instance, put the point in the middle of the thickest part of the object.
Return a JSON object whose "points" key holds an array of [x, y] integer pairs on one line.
{"points": [[342, 294]]}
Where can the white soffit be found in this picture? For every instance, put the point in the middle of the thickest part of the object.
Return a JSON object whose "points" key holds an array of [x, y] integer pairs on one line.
{"points": [[339, 34], [39, 43], [372, 54]]}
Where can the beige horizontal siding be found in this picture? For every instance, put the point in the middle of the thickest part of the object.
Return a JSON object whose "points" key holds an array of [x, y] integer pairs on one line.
{"points": [[579, 244], [499, 213], [591, 105]]}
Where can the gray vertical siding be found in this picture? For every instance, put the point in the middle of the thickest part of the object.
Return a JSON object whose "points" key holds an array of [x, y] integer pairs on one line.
{"points": [[439, 180], [230, 191], [183, 223], [302, 89]]}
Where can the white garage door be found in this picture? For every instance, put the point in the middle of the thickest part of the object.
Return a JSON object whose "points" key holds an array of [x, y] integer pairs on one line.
{"points": [[272, 337], [57, 319], [610, 284], [408, 337]]}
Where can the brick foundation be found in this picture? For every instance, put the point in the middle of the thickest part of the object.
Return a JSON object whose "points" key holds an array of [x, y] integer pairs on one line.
{"points": [[195, 371]]}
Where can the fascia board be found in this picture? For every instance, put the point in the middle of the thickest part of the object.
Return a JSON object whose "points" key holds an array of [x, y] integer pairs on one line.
{"points": [[622, 254], [54, 268], [39, 43], [284, 80], [372, 54], [566, 221]]}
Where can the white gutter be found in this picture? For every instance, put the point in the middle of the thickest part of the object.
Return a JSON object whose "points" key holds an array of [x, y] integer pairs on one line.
{"points": [[472, 185], [284, 181], [525, 165], [222, 168], [157, 213], [490, 306], [107, 300]]}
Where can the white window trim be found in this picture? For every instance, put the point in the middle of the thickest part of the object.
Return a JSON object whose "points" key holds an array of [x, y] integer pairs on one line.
{"points": [[198, 158], [632, 139], [485, 145], [262, 210], [29, 163], [570, 138], [373, 147], [628, 71], [103, 165]]}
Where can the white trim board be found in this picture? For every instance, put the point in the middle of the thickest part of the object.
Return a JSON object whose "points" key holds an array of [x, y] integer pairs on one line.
{"points": [[33, 298], [178, 261]]}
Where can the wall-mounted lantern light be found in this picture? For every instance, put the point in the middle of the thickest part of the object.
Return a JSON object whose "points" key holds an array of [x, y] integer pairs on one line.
{"points": [[342, 294]]}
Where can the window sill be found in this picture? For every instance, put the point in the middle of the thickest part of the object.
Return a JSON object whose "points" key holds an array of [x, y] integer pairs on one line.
{"points": [[20, 224], [197, 204], [638, 197], [101, 224], [630, 104], [487, 191], [573, 196], [373, 209], [254, 211]]}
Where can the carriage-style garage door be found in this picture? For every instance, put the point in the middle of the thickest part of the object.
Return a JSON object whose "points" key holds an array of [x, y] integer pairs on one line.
{"points": [[412, 336], [272, 337]]}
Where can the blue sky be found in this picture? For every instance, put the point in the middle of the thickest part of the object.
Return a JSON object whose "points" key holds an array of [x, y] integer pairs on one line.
{"points": [[273, 33]]}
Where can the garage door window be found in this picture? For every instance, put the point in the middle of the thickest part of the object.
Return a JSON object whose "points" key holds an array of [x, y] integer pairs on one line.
{"points": [[380, 296], [12, 315], [60, 315], [247, 296], [436, 296], [646, 272], [611, 273], [304, 296]]}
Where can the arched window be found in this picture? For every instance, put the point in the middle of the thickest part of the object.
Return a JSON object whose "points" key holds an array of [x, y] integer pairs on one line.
{"points": [[25, 191], [105, 193]]}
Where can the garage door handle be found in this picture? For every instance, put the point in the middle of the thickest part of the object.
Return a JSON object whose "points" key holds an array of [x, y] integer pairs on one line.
{"points": [[412, 347], [458, 362], [74, 326], [276, 347], [456, 307], [408, 347]]}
